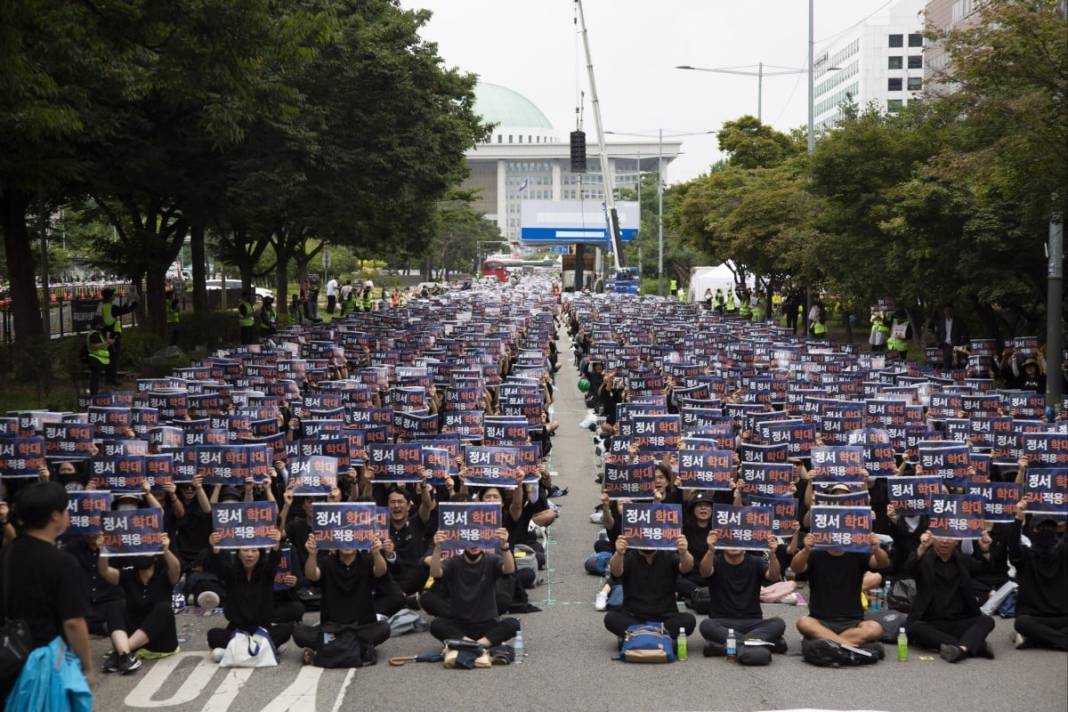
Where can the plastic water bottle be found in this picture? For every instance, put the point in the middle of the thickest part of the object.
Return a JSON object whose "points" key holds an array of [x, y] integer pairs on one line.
{"points": [[902, 646], [517, 646], [886, 595], [732, 646], [683, 653], [873, 602]]}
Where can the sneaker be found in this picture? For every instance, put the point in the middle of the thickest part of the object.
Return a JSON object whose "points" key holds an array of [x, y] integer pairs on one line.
{"points": [[985, 652], [951, 653], [714, 649], [1022, 643], [875, 649], [600, 601], [129, 663], [217, 654], [111, 662], [779, 646], [208, 599]]}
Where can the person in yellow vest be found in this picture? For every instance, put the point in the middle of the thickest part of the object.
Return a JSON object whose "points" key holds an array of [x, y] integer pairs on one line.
{"points": [[367, 299], [744, 310], [174, 315], [110, 315], [721, 301], [730, 306], [267, 318], [97, 342], [348, 301], [880, 331], [900, 331], [246, 318], [757, 308]]}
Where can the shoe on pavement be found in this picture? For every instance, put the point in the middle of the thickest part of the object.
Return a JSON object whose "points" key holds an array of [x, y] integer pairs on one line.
{"points": [[951, 653], [129, 663], [217, 654], [111, 662], [208, 599], [600, 601], [779, 646], [985, 652]]}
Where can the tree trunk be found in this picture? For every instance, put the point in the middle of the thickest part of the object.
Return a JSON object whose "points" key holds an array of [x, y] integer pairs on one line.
{"points": [[200, 289], [155, 282], [244, 268], [20, 268], [281, 283]]}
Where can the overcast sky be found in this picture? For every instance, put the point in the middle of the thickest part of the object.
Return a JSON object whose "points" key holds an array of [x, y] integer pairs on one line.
{"points": [[530, 47]]}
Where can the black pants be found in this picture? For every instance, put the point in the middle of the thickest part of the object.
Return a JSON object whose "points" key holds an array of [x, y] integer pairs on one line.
{"points": [[96, 370], [618, 622], [288, 612], [388, 598], [107, 616], [331, 302], [686, 585], [248, 335], [1044, 631], [496, 632], [158, 625], [412, 578], [279, 632], [768, 629], [968, 632], [308, 636], [791, 319], [115, 352]]}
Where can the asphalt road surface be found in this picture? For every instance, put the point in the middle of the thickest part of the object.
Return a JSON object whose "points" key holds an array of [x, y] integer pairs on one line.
{"points": [[569, 662]]}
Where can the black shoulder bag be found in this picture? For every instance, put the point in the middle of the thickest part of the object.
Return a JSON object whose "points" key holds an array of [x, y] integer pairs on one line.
{"points": [[15, 639]]}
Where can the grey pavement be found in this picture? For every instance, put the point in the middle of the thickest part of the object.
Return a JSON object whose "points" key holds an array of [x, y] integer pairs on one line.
{"points": [[569, 664]]}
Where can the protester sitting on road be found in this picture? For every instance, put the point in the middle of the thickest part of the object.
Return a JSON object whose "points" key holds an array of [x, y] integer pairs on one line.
{"points": [[696, 527], [836, 617], [470, 581], [407, 542], [648, 579], [248, 577], [735, 577], [1042, 573], [945, 616], [149, 628], [347, 579]]}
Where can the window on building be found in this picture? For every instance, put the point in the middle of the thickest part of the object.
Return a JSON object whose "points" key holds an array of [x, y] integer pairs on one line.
{"points": [[894, 62], [500, 138], [894, 105], [915, 39], [915, 83], [893, 84], [915, 61], [509, 138], [897, 41]]}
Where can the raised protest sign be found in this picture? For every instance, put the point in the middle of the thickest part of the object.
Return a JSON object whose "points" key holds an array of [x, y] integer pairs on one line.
{"points": [[110, 421], [244, 524], [651, 525], [314, 476], [440, 464], [764, 453], [999, 500], [858, 498], [346, 526], [166, 436], [843, 528], [773, 479], [912, 495], [1046, 491], [469, 525], [1045, 449], [838, 463], [784, 518], [950, 461], [121, 474], [492, 467], [657, 433], [878, 451], [21, 457], [956, 516], [132, 532], [629, 480], [466, 423], [799, 436], [223, 464], [742, 527], [506, 431], [68, 441], [704, 469], [86, 508], [284, 568]]}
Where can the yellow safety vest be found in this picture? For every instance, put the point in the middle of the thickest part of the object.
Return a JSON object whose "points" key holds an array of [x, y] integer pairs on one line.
{"points": [[897, 341], [110, 323], [819, 328], [246, 314], [369, 301], [100, 354], [173, 315], [730, 303]]}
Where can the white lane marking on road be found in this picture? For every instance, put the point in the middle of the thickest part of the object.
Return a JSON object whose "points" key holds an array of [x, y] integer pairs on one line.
{"points": [[344, 688], [228, 689], [299, 696], [150, 684]]}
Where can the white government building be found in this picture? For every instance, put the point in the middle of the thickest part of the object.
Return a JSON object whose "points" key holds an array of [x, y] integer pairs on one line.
{"points": [[525, 158]]}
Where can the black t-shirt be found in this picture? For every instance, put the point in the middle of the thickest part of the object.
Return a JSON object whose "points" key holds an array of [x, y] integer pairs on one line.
{"points": [[46, 588], [99, 590], [696, 537], [347, 589], [141, 597], [193, 531], [472, 587], [249, 599], [735, 588], [947, 604], [649, 586], [409, 541], [519, 529], [834, 585]]}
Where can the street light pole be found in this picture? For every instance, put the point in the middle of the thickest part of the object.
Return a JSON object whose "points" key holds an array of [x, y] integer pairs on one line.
{"points": [[811, 125], [660, 212], [741, 71], [760, 92], [1054, 296]]}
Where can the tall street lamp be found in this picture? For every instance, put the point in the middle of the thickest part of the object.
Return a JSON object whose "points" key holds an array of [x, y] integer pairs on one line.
{"points": [[744, 71]]}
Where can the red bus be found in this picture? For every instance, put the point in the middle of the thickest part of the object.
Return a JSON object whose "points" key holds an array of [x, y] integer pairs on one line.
{"points": [[495, 268]]}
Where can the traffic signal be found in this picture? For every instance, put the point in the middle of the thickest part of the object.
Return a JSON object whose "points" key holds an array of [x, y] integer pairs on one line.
{"points": [[578, 151]]}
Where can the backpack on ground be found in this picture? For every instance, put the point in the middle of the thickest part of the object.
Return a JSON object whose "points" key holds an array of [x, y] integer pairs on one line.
{"points": [[647, 643], [406, 621], [341, 647]]}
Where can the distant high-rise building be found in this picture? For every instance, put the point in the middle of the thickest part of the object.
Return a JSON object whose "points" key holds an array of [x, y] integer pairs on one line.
{"points": [[525, 159], [942, 15], [879, 61]]}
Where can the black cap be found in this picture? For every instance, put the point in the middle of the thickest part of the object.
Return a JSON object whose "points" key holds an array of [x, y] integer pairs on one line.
{"points": [[231, 493], [700, 497]]}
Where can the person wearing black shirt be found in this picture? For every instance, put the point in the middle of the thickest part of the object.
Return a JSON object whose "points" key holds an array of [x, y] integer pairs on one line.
{"points": [[696, 527], [945, 616], [735, 577], [470, 580], [407, 543], [248, 578], [44, 586], [835, 578], [107, 605], [149, 618], [1042, 573], [194, 526], [648, 579], [347, 579]]}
